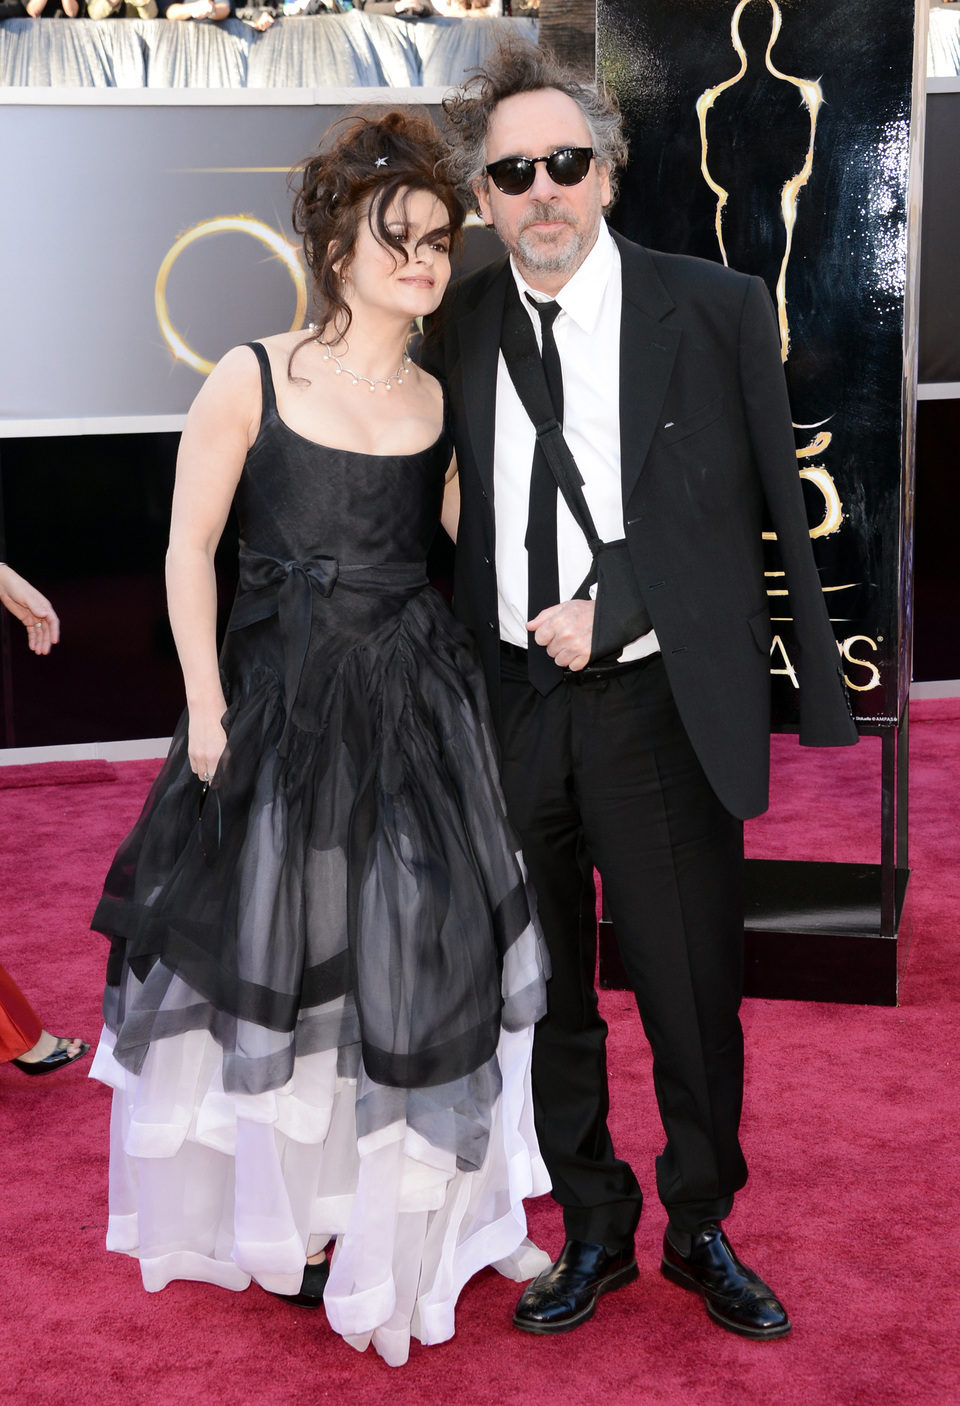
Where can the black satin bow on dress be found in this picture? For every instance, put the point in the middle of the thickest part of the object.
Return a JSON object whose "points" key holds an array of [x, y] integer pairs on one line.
{"points": [[269, 586]]}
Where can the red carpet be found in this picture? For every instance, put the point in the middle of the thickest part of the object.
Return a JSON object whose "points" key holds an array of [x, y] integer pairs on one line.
{"points": [[77, 773], [850, 1129]]}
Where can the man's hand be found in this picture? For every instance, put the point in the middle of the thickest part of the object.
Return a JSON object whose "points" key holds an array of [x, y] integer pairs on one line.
{"points": [[566, 632]]}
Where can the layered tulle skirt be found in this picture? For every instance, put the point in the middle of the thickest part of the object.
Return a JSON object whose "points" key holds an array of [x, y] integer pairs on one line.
{"points": [[322, 989]]}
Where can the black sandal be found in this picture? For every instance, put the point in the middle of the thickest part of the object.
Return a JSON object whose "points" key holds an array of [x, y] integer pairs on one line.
{"points": [[55, 1060]]}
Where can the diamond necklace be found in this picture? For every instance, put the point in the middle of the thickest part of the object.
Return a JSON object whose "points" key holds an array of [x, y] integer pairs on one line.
{"points": [[402, 370]]}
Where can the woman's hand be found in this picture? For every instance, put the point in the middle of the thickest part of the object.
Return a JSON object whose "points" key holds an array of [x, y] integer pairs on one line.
{"points": [[206, 739], [33, 609]]}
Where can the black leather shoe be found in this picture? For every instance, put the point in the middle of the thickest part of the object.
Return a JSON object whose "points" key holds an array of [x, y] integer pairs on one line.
{"points": [[735, 1297], [312, 1285], [565, 1295]]}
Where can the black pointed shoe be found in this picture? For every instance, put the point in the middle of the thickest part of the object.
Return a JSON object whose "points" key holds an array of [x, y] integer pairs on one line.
{"points": [[735, 1297], [566, 1294]]}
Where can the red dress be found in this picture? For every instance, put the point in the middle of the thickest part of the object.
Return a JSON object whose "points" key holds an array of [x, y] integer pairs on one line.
{"points": [[20, 1027]]}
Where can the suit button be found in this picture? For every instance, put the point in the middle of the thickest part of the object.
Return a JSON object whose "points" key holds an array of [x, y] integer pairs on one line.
{"points": [[491, 625], [486, 561]]}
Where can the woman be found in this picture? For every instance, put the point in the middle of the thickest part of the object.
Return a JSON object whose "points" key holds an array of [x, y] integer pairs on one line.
{"points": [[321, 990], [23, 1040]]}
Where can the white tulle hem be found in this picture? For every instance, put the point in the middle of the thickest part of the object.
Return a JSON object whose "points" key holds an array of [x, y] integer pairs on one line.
{"points": [[229, 1188]]}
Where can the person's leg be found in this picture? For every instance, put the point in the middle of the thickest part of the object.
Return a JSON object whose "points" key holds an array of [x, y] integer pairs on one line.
{"points": [[20, 1027], [599, 1193], [671, 858], [23, 1040]]}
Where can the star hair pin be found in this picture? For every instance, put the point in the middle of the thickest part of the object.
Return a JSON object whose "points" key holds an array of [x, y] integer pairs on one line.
{"points": [[382, 161]]}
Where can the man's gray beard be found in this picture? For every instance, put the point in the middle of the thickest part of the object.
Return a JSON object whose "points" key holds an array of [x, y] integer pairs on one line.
{"points": [[539, 257]]}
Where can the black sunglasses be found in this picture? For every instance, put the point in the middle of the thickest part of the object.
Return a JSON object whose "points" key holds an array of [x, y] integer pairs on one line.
{"points": [[566, 167]]}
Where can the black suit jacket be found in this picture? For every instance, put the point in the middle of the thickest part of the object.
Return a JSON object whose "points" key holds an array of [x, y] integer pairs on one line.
{"points": [[706, 437]]}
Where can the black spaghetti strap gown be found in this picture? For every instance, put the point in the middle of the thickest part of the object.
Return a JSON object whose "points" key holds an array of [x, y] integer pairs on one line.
{"points": [[322, 988]]}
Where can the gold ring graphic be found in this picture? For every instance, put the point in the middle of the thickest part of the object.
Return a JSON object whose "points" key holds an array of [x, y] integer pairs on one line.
{"points": [[223, 224]]}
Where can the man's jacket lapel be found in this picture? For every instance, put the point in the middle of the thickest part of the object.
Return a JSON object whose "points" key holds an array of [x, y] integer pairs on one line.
{"points": [[648, 348], [478, 335]]}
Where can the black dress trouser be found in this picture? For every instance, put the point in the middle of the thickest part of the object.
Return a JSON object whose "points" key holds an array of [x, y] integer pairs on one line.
{"points": [[600, 773]]}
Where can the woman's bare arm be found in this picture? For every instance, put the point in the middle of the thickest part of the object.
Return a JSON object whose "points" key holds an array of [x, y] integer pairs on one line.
{"points": [[220, 428]]}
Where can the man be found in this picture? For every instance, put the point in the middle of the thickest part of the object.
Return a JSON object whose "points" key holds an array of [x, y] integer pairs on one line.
{"points": [[643, 763]]}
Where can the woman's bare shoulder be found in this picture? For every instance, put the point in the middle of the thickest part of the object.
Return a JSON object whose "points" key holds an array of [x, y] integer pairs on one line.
{"points": [[432, 390], [229, 399], [281, 344]]}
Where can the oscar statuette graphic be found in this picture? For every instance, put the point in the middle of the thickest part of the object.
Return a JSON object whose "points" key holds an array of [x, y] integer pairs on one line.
{"points": [[758, 76], [783, 138]]}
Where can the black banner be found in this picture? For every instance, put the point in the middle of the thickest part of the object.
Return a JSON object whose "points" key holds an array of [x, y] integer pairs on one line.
{"points": [[777, 137]]}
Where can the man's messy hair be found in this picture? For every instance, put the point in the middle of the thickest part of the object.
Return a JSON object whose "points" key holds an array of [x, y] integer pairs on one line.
{"points": [[519, 67]]}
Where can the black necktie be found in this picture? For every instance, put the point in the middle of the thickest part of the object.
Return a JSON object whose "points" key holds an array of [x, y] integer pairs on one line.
{"points": [[543, 576]]}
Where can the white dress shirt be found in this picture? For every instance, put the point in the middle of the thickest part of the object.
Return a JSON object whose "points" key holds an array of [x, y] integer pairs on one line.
{"points": [[587, 334]]}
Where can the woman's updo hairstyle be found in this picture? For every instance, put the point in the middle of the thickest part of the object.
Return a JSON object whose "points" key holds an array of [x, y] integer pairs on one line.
{"points": [[363, 164]]}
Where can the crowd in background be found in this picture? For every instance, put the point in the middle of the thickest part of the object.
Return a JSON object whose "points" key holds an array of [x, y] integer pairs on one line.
{"points": [[260, 14]]}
